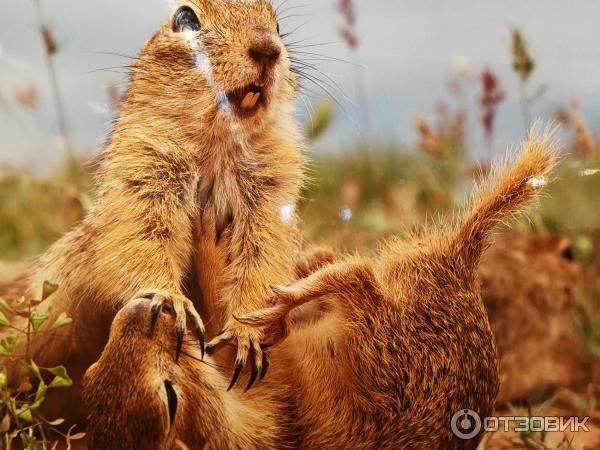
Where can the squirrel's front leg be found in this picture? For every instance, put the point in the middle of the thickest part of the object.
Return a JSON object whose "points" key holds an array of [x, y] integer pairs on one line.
{"points": [[147, 219], [252, 289], [260, 256]]}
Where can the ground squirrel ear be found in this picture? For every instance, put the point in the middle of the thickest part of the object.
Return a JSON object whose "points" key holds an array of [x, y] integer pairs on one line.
{"points": [[185, 19]]}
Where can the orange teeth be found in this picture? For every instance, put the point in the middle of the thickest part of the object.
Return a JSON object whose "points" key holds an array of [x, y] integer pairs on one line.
{"points": [[250, 100]]}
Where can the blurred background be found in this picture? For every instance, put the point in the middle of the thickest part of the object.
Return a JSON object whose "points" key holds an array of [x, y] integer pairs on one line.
{"points": [[404, 104]]}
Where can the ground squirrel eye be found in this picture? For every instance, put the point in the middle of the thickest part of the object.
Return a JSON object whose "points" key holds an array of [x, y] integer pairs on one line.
{"points": [[568, 254], [185, 19]]}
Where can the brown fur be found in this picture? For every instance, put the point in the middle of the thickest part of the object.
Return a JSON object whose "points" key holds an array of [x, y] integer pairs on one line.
{"points": [[171, 141], [530, 285], [403, 342]]}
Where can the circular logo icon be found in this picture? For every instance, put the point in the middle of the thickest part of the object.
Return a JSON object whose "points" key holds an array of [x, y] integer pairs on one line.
{"points": [[466, 424]]}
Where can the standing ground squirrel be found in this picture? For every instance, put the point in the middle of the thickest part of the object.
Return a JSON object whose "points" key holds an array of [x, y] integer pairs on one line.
{"points": [[206, 122], [401, 343], [530, 284]]}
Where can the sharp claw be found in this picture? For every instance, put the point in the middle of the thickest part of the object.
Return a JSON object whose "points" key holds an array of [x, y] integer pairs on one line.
{"points": [[180, 310], [239, 365], [199, 328], [180, 335], [202, 341], [212, 346], [208, 348], [155, 312], [220, 339], [265, 365]]}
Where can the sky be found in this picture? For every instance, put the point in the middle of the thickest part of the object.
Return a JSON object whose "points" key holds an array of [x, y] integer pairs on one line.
{"points": [[408, 51]]}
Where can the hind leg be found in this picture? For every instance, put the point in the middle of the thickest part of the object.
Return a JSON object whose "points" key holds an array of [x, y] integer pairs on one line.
{"points": [[351, 285]]}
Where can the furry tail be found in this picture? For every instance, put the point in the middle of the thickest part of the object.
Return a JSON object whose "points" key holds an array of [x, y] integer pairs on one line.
{"points": [[505, 192]]}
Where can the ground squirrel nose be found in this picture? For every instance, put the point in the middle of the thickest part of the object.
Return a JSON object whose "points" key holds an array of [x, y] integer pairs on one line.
{"points": [[264, 51]]}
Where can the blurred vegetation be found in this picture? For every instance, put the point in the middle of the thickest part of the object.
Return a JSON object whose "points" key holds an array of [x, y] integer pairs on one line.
{"points": [[369, 191], [34, 212]]}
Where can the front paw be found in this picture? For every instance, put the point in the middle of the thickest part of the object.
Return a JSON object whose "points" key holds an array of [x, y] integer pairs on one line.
{"points": [[247, 340], [183, 310]]}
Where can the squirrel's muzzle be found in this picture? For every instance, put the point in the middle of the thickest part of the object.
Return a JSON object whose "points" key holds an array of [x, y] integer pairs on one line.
{"points": [[264, 49]]}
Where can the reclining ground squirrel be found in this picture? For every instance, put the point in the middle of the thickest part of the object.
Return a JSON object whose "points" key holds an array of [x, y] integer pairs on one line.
{"points": [[400, 344], [207, 121]]}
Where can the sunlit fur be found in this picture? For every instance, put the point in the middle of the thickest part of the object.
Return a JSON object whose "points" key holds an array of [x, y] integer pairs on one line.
{"points": [[173, 139], [396, 345]]}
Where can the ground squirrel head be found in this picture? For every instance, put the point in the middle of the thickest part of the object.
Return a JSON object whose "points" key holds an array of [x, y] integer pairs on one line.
{"points": [[140, 380], [217, 61]]}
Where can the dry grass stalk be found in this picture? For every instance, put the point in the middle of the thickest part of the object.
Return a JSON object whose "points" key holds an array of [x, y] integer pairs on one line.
{"points": [[491, 97], [585, 143], [50, 50], [523, 63]]}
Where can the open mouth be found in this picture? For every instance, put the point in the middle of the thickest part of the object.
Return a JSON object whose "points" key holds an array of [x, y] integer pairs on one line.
{"points": [[247, 100]]}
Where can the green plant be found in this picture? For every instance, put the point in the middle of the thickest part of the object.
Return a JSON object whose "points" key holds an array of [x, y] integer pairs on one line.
{"points": [[320, 120], [23, 390], [50, 50]]}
